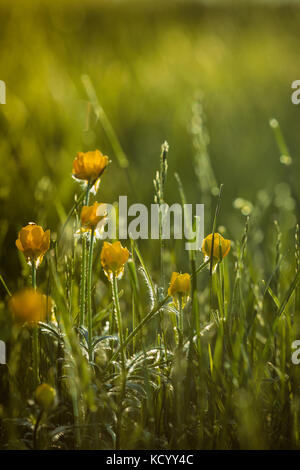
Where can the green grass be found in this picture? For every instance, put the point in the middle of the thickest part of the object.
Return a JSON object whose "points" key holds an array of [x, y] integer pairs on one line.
{"points": [[128, 381], [124, 377]]}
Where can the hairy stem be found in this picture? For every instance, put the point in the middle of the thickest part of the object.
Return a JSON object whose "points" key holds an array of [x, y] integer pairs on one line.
{"points": [[83, 268], [35, 334], [89, 298], [114, 284]]}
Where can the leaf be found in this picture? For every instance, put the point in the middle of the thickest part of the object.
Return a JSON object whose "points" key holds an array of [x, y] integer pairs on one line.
{"points": [[99, 339]]}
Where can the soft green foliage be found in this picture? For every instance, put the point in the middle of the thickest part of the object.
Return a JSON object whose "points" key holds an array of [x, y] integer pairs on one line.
{"points": [[123, 380]]}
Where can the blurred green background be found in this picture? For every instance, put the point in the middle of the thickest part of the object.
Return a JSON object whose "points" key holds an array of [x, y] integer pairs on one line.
{"points": [[148, 62]]}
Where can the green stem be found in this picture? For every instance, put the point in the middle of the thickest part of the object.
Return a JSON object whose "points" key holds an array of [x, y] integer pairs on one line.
{"points": [[89, 298], [200, 268], [35, 334], [114, 284], [83, 268], [38, 420], [83, 283], [33, 274], [103, 119], [147, 318], [180, 323], [139, 327], [5, 286]]}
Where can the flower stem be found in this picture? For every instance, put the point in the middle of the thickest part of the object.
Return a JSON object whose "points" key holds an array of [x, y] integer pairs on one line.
{"points": [[117, 310], [142, 323], [83, 283], [33, 275], [35, 334], [37, 423], [83, 268], [89, 298], [115, 293], [180, 322]]}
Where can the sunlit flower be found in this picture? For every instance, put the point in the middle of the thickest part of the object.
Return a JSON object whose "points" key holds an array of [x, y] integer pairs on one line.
{"points": [[113, 259], [179, 287], [45, 396], [93, 218], [89, 166], [30, 306], [221, 247], [180, 283], [34, 243]]}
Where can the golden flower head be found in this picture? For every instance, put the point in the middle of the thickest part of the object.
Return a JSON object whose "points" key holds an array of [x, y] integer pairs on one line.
{"points": [[34, 243], [179, 288], [221, 247], [29, 305], [93, 217], [45, 396], [113, 259], [89, 166], [179, 284]]}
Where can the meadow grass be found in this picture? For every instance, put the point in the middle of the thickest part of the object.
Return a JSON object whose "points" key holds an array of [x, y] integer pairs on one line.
{"points": [[131, 368]]}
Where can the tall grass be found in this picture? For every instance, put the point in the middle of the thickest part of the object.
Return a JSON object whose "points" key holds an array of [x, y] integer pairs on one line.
{"points": [[132, 370]]}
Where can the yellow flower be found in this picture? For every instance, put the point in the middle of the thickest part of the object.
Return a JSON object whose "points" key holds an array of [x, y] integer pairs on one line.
{"points": [[89, 215], [29, 305], [113, 259], [179, 284], [221, 247], [34, 243], [45, 396], [179, 288], [89, 166]]}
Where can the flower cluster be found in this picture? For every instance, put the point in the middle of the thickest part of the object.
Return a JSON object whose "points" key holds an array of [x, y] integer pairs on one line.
{"points": [[31, 306], [88, 167]]}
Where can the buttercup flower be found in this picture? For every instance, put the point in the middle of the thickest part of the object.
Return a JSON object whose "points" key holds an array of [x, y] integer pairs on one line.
{"points": [[30, 306], [113, 259], [45, 396], [221, 247], [89, 166], [34, 243], [93, 218], [180, 286]]}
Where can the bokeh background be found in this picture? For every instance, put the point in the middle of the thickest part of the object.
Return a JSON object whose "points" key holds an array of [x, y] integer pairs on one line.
{"points": [[149, 62]]}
